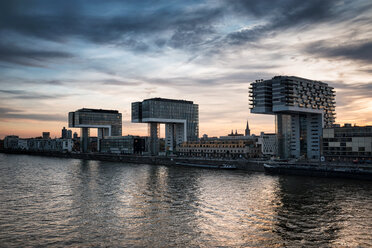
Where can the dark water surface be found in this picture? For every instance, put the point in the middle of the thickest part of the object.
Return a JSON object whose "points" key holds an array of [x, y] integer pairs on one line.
{"points": [[67, 202]]}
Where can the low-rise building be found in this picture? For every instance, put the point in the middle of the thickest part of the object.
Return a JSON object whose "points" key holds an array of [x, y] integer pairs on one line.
{"points": [[50, 145], [222, 148], [22, 144], [347, 143], [11, 142], [46, 135], [123, 145]]}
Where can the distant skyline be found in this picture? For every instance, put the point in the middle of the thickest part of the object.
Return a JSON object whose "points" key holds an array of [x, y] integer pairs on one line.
{"points": [[60, 56]]}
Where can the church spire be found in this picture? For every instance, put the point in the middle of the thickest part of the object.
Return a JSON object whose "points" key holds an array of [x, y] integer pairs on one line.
{"points": [[247, 130]]}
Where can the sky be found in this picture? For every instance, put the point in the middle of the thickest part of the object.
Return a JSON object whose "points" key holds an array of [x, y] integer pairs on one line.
{"points": [[60, 56]]}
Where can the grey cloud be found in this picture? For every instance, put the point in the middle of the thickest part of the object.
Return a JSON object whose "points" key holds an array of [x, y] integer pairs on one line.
{"points": [[58, 21], [361, 51], [286, 14], [22, 94], [214, 80], [14, 54], [4, 110], [11, 113]]}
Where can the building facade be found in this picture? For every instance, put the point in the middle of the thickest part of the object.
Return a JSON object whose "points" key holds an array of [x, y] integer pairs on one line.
{"points": [[107, 122], [38, 145], [11, 142], [123, 145], [347, 143], [302, 107], [181, 120], [221, 148], [268, 144]]}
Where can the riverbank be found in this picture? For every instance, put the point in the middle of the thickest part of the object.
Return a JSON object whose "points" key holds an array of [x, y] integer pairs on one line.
{"points": [[241, 164]]}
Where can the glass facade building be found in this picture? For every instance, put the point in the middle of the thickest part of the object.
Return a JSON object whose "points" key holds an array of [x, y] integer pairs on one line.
{"points": [[108, 123], [302, 108], [181, 120]]}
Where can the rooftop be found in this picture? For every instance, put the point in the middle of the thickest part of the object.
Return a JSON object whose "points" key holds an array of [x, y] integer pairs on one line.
{"points": [[168, 100], [98, 110], [294, 78]]}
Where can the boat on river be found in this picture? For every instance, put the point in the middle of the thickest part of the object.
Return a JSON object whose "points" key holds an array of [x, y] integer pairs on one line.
{"points": [[345, 171]]}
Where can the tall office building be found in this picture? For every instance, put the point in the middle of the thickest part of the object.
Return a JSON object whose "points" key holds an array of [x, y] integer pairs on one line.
{"points": [[108, 123], [302, 107], [181, 120]]}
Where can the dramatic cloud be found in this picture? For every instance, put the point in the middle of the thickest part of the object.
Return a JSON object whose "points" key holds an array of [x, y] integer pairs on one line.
{"points": [[30, 57], [361, 51], [281, 15]]}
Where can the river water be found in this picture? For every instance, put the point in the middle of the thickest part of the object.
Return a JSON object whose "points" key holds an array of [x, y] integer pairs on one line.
{"points": [[54, 202]]}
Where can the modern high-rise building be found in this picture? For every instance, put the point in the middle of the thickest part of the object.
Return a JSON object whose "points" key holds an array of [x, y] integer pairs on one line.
{"points": [[302, 107], [108, 123], [181, 120]]}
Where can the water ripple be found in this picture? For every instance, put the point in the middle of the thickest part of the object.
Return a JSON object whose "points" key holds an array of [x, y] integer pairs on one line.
{"points": [[50, 202]]}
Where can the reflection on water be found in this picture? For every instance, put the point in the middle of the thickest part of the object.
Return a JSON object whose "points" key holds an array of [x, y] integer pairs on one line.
{"points": [[66, 202]]}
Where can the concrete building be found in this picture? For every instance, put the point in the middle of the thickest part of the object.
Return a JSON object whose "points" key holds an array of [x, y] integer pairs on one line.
{"points": [[302, 107], [347, 143], [181, 120], [108, 123], [123, 145], [268, 144]]}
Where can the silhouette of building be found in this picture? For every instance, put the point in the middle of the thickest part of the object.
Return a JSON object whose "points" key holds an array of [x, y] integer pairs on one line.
{"points": [[64, 133], [301, 108], [46, 135]]}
